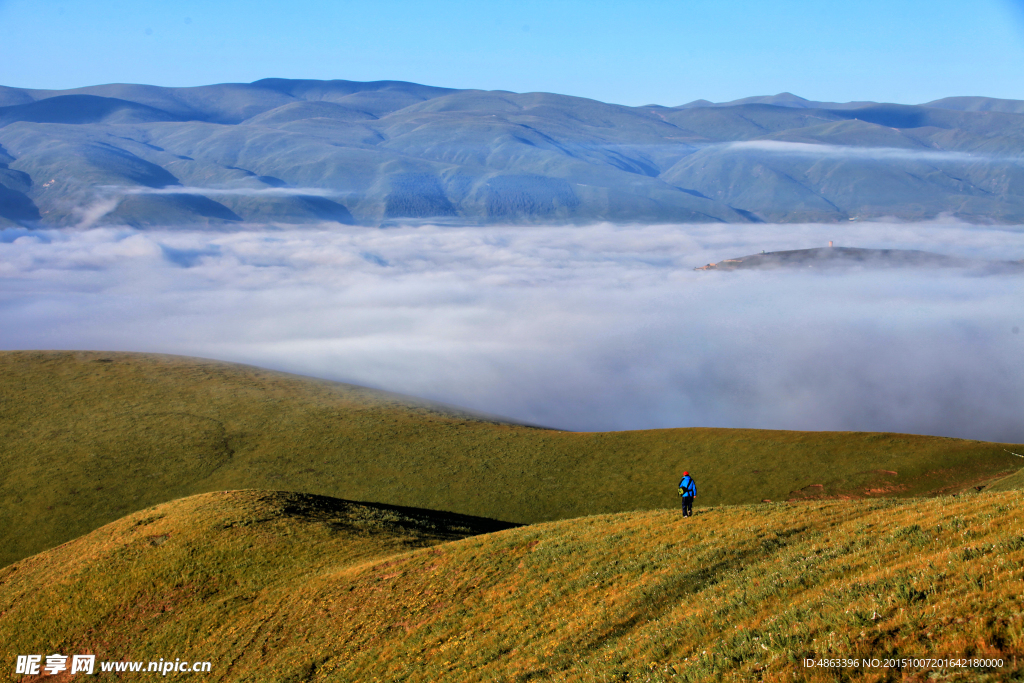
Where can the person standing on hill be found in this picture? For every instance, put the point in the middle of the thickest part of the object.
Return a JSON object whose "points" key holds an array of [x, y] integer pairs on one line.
{"points": [[687, 491]]}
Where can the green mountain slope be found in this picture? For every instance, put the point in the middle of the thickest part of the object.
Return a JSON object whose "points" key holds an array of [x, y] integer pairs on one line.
{"points": [[282, 587], [1013, 482], [88, 437]]}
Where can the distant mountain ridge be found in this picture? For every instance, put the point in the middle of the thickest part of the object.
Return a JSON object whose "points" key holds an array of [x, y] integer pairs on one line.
{"points": [[297, 151], [783, 99]]}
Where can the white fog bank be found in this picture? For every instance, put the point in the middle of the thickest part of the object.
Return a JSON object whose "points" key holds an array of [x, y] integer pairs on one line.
{"points": [[586, 328]]}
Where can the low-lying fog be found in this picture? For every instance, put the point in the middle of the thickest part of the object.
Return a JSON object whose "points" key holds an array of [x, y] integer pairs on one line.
{"points": [[587, 328]]}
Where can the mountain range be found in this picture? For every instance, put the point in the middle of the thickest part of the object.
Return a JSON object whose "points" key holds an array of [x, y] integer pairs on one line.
{"points": [[299, 151]]}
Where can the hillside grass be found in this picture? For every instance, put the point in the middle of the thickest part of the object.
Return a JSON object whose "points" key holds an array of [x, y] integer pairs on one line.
{"points": [[88, 437], [282, 587], [1013, 482]]}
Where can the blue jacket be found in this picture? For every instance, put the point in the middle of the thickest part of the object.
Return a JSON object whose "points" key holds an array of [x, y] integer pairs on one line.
{"points": [[690, 485]]}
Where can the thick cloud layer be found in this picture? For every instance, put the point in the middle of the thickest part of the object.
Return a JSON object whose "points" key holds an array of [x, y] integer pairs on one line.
{"points": [[590, 328]]}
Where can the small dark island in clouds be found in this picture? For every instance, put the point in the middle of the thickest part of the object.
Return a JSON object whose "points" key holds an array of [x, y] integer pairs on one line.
{"points": [[833, 258], [297, 151]]}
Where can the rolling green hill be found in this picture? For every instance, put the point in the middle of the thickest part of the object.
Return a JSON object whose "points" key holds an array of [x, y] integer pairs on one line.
{"points": [[1013, 482], [89, 437], [285, 587]]}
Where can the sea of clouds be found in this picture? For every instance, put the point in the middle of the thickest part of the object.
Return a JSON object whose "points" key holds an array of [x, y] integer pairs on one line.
{"points": [[598, 327]]}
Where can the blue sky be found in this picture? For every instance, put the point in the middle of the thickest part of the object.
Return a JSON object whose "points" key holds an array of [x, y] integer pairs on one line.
{"points": [[660, 51]]}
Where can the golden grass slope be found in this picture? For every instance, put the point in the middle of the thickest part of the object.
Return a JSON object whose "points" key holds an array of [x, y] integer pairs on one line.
{"points": [[201, 561], [281, 587], [88, 437]]}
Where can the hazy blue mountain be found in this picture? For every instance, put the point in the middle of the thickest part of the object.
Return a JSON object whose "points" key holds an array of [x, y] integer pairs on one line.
{"points": [[78, 109], [783, 99], [979, 104], [293, 151]]}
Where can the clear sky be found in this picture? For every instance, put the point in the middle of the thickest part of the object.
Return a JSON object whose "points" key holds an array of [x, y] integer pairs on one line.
{"points": [[637, 52]]}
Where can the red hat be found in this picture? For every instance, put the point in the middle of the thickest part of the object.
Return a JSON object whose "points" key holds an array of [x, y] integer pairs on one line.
{"points": [[685, 473]]}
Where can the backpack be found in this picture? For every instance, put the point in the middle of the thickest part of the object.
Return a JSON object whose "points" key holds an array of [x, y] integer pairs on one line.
{"points": [[684, 485]]}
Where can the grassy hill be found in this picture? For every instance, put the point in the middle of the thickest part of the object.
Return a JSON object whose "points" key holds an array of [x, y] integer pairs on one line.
{"points": [[284, 587], [1013, 482], [89, 437]]}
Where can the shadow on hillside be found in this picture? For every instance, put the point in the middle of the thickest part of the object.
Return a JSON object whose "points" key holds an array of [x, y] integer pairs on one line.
{"points": [[353, 516]]}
